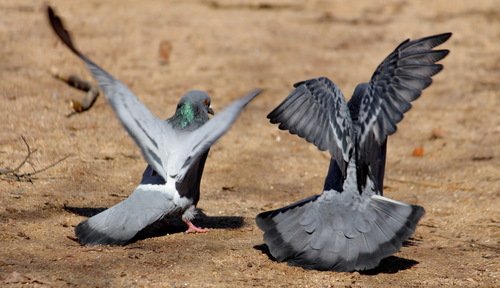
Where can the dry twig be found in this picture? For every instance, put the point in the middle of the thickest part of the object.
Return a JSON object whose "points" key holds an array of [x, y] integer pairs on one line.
{"points": [[16, 175]]}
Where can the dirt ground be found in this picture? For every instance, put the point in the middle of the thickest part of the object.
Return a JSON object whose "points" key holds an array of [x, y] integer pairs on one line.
{"points": [[227, 48]]}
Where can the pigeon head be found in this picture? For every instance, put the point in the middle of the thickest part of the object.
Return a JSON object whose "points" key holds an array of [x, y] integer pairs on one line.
{"points": [[192, 110]]}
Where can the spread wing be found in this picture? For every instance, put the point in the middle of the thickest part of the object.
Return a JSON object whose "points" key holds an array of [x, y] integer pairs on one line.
{"points": [[380, 104], [316, 110], [199, 141], [398, 80], [144, 127]]}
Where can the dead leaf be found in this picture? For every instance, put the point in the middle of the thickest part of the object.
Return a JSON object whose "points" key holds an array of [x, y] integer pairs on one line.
{"points": [[164, 51], [418, 152]]}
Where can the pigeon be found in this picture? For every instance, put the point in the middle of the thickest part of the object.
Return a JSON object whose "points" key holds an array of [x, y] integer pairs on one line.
{"points": [[175, 149], [351, 226]]}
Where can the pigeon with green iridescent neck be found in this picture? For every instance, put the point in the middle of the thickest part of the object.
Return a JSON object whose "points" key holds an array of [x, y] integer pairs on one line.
{"points": [[350, 225], [175, 149]]}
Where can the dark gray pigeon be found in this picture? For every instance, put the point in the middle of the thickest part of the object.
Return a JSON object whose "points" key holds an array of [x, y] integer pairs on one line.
{"points": [[351, 226], [175, 149]]}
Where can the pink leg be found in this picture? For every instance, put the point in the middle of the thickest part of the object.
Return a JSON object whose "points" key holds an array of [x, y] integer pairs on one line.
{"points": [[193, 229]]}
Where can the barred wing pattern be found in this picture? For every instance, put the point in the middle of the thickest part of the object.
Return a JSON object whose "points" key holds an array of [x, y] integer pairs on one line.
{"points": [[316, 110], [396, 82]]}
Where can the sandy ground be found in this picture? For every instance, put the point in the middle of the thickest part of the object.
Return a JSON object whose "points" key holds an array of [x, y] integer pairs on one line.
{"points": [[227, 48]]}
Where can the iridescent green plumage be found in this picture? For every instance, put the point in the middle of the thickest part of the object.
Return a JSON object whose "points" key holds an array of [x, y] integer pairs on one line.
{"points": [[185, 114], [192, 112]]}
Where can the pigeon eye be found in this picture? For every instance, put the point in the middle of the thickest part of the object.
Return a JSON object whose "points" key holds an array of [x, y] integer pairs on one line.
{"points": [[207, 102]]}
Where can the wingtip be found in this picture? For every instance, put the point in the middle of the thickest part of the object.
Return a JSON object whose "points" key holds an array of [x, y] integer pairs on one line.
{"points": [[295, 85], [50, 11], [257, 91], [438, 39], [446, 35], [52, 16], [445, 53], [251, 95], [443, 37], [58, 27]]}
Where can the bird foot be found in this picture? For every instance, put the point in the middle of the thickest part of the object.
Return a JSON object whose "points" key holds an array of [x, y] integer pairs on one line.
{"points": [[194, 229]]}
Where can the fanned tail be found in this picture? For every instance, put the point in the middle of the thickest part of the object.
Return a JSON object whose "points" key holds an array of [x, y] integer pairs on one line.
{"points": [[324, 234]]}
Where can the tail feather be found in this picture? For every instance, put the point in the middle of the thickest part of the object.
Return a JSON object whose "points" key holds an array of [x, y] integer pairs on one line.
{"points": [[113, 226], [265, 222], [88, 235], [286, 217], [120, 223], [382, 225]]}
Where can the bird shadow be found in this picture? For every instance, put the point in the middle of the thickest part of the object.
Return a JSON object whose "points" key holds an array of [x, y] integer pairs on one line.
{"points": [[264, 249], [170, 225], [389, 265], [84, 211]]}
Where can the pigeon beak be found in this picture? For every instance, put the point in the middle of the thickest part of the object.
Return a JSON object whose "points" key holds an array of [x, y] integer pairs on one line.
{"points": [[210, 110]]}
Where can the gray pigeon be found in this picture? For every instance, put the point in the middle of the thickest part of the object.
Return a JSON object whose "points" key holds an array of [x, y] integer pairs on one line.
{"points": [[175, 149], [351, 226]]}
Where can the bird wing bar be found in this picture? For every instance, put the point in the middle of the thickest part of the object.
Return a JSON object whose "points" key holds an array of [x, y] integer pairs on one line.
{"points": [[316, 111], [144, 127], [397, 81]]}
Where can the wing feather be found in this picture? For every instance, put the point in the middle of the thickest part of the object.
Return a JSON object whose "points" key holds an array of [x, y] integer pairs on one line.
{"points": [[145, 128], [316, 111], [396, 82]]}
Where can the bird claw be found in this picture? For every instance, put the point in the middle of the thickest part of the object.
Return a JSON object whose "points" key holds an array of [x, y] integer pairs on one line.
{"points": [[194, 229]]}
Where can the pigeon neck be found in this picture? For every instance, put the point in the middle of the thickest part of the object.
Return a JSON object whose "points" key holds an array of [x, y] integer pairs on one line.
{"points": [[186, 116]]}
